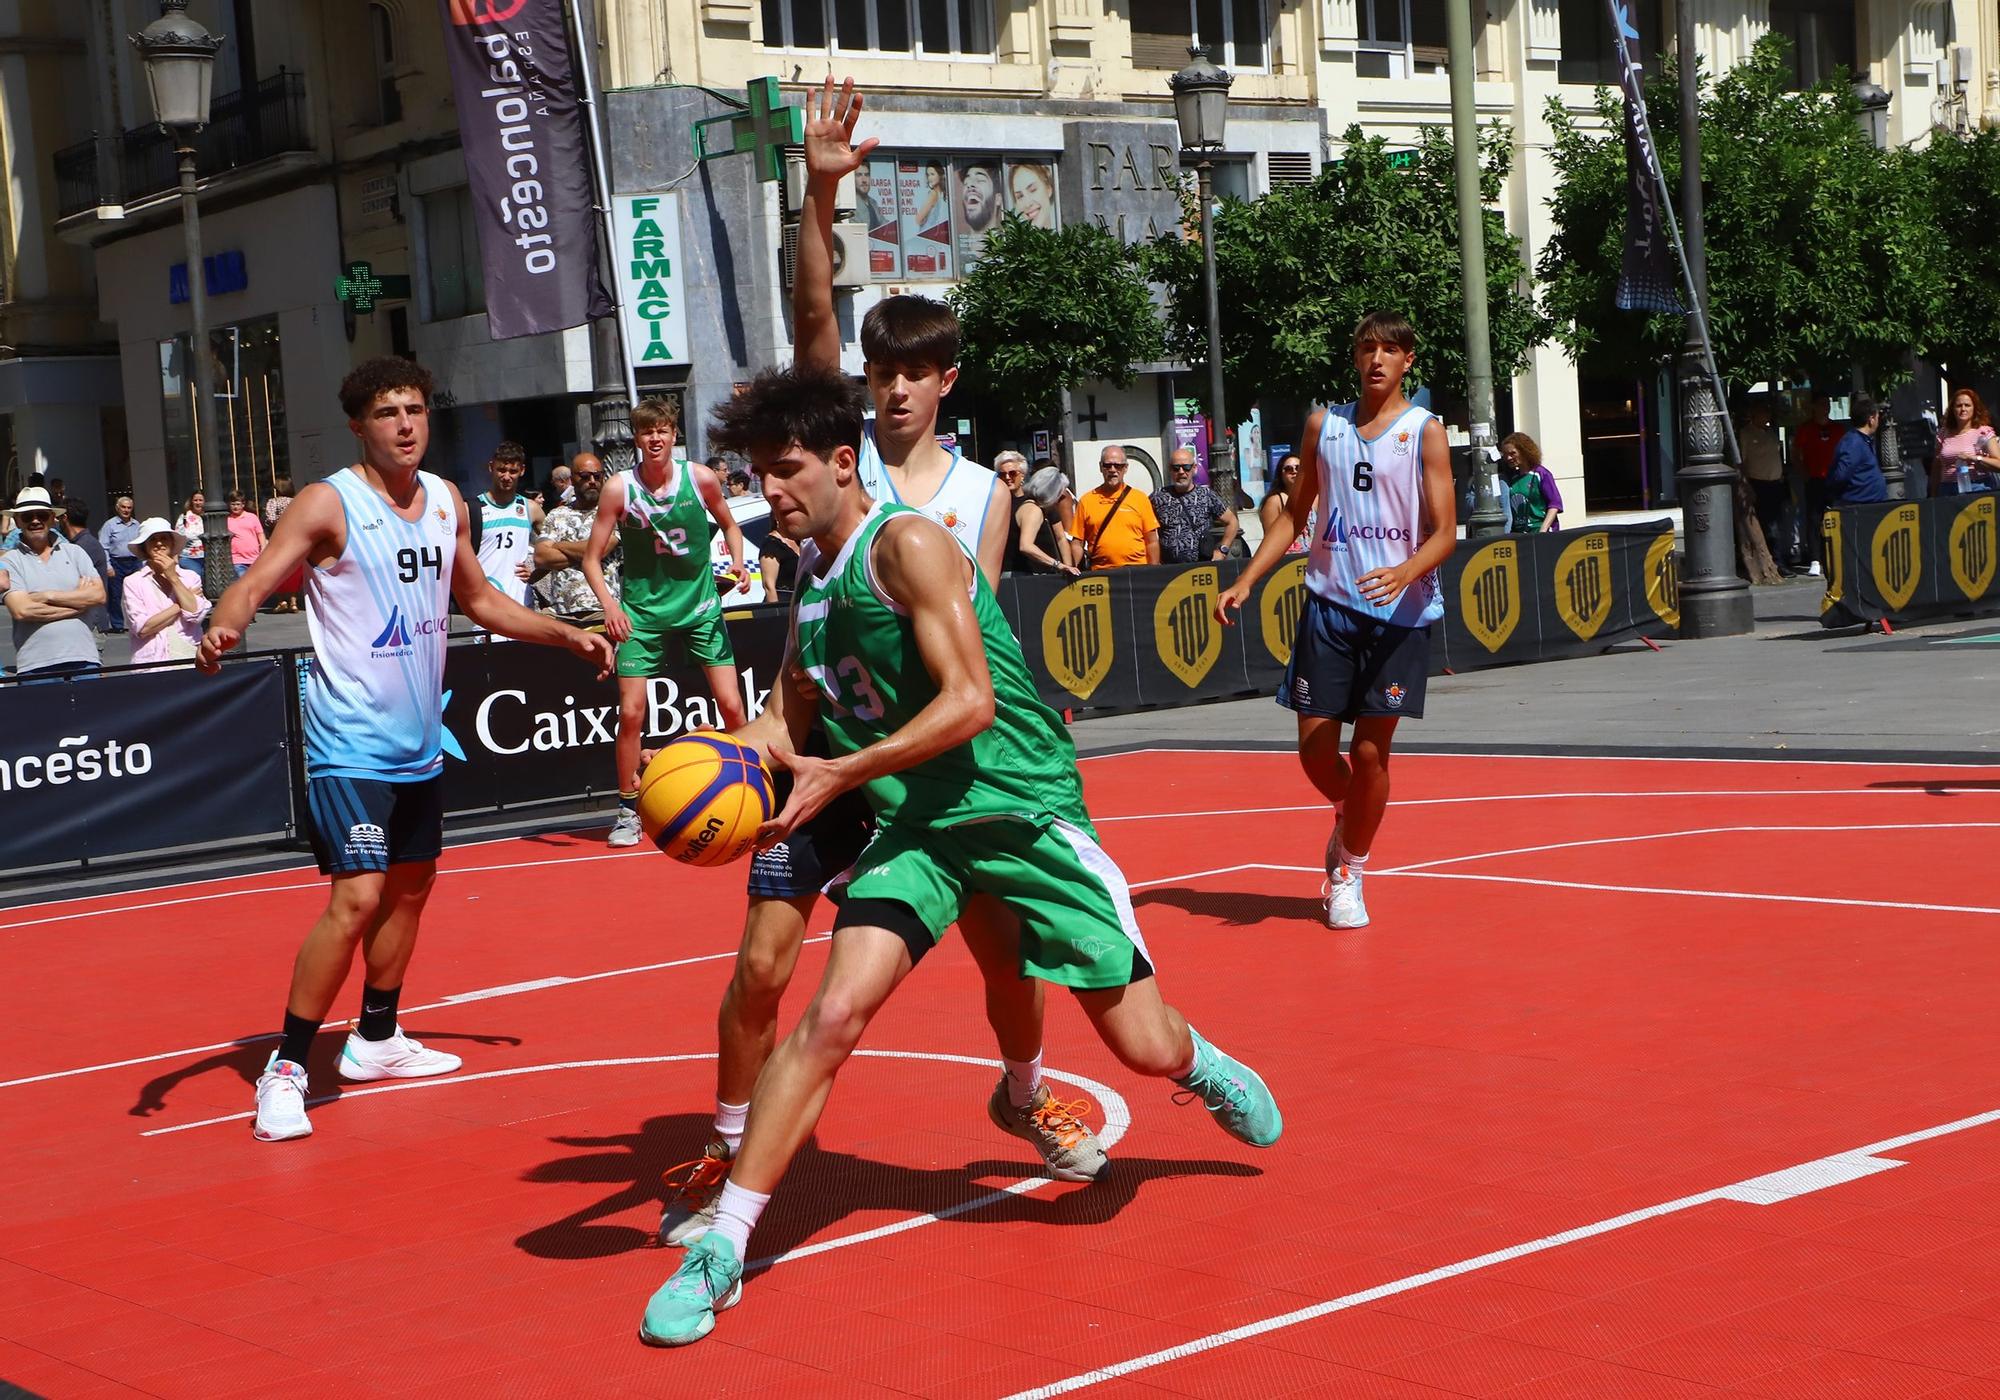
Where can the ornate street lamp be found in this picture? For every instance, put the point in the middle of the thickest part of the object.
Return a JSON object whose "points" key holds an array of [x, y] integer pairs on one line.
{"points": [[1201, 106], [180, 73], [1874, 122]]}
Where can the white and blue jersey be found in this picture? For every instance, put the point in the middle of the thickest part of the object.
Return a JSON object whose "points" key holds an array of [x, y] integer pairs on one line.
{"points": [[1370, 515], [506, 541], [960, 504], [379, 615]]}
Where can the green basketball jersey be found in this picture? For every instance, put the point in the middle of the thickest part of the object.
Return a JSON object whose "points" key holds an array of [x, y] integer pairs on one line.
{"points": [[863, 655], [665, 542]]}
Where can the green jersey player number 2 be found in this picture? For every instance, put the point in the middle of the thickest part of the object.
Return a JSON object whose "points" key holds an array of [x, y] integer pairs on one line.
{"points": [[1001, 814]]}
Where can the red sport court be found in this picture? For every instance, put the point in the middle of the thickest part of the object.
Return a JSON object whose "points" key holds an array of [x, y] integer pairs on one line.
{"points": [[1651, 1078]]}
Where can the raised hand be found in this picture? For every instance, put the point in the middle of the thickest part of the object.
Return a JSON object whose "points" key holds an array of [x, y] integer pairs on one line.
{"points": [[830, 150]]}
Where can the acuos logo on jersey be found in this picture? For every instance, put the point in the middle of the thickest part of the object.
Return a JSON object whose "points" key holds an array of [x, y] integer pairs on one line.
{"points": [[1338, 531]]}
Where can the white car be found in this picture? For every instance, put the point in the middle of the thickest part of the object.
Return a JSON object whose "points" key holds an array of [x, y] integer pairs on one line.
{"points": [[753, 518]]}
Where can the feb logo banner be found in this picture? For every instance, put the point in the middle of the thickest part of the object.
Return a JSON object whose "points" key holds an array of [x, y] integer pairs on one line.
{"points": [[1489, 593], [1077, 644], [646, 257], [1186, 635]]}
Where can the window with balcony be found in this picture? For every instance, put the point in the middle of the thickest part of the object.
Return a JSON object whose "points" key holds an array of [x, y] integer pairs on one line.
{"points": [[451, 255], [1590, 50], [382, 35], [925, 28], [1400, 38], [1821, 38], [1236, 33]]}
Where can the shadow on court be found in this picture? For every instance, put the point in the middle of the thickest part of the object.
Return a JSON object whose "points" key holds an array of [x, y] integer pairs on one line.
{"points": [[821, 1189], [248, 1058], [1236, 908], [1941, 787]]}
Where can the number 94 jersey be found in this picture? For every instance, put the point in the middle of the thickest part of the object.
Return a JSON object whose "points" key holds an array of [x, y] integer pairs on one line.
{"points": [[1370, 514], [379, 615]]}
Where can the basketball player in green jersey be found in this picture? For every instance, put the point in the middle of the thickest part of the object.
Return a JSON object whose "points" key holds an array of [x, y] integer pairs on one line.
{"points": [[666, 603], [932, 713]]}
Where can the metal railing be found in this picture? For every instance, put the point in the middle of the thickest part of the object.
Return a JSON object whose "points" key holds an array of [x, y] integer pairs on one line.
{"points": [[244, 127]]}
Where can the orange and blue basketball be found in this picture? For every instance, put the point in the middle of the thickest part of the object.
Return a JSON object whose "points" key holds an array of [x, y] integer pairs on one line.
{"points": [[703, 797]]}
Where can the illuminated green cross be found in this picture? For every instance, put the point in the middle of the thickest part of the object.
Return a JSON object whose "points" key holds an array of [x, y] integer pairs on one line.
{"points": [[359, 286], [764, 127]]}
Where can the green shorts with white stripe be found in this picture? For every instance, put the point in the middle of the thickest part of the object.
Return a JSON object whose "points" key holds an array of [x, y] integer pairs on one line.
{"points": [[1074, 908]]}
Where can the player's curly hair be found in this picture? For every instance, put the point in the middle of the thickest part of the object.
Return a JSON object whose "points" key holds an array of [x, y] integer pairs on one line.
{"points": [[819, 409], [371, 379], [510, 451]]}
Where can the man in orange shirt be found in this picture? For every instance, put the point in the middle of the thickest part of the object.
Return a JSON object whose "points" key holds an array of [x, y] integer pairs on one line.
{"points": [[1116, 522]]}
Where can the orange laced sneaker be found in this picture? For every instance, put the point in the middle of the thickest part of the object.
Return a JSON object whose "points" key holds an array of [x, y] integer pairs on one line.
{"points": [[694, 1188], [1069, 1149]]}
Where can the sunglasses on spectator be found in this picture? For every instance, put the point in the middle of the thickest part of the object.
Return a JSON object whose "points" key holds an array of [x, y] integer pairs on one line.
{"points": [[1182, 467], [587, 476], [34, 520]]}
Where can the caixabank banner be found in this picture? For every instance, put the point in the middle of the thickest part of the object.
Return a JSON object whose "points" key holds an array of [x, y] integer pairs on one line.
{"points": [[1907, 560]]}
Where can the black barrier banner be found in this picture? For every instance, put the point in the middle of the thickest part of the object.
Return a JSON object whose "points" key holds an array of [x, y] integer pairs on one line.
{"points": [[1490, 617], [1078, 638], [530, 724], [141, 761], [1906, 560], [515, 89]]}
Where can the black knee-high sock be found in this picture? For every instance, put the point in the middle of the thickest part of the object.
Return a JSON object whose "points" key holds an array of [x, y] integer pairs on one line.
{"points": [[299, 1033], [378, 1013]]}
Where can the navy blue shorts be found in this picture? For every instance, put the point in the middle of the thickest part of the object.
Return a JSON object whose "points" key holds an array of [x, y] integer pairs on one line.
{"points": [[364, 824], [818, 852], [1345, 665]]}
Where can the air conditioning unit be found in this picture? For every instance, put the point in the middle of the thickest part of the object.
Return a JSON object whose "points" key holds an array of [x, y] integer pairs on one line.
{"points": [[850, 256], [1961, 66], [844, 200]]}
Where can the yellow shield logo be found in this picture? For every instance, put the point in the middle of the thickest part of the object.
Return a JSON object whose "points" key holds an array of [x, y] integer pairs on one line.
{"points": [[1663, 581], [1972, 548], [1280, 606], [1076, 636], [1583, 584], [1836, 561], [1185, 632], [1896, 557], [1489, 593]]}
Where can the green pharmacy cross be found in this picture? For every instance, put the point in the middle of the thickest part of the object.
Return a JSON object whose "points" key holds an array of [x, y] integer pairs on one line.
{"points": [[761, 125], [360, 288]]}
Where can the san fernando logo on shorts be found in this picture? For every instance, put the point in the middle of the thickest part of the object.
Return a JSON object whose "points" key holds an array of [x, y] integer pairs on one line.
{"points": [[1663, 581], [1896, 556], [1393, 696], [1970, 547], [1185, 632], [1583, 584], [1279, 607], [1489, 594], [1077, 644]]}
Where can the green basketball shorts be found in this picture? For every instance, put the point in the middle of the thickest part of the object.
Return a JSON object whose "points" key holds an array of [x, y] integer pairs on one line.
{"points": [[648, 652], [1075, 911]]}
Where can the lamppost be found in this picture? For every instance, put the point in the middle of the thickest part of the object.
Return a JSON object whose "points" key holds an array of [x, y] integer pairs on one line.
{"points": [[180, 66], [1201, 106], [1873, 118], [1489, 514]]}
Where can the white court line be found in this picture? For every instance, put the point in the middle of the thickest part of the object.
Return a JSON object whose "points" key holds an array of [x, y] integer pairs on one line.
{"points": [[1117, 1118], [1765, 1190], [1688, 891], [1555, 796], [320, 883], [511, 989], [1288, 751], [1668, 835]]}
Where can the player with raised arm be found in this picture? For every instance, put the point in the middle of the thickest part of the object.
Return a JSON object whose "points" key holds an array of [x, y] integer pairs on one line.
{"points": [[385, 546], [932, 712], [662, 510], [1380, 471], [786, 878]]}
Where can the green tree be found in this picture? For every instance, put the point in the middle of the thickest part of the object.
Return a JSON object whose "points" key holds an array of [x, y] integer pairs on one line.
{"points": [[1964, 194], [1298, 267], [1822, 251], [1044, 311]]}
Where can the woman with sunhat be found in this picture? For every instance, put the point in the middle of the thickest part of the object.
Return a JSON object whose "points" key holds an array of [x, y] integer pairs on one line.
{"points": [[164, 606]]}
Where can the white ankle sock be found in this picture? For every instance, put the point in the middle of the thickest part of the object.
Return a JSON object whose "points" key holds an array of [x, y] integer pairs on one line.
{"points": [[736, 1215], [1355, 864], [729, 1121], [1023, 1078]]}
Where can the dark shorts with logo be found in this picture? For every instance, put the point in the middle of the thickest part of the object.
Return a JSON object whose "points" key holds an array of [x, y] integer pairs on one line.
{"points": [[364, 824], [817, 853], [1345, 665]]}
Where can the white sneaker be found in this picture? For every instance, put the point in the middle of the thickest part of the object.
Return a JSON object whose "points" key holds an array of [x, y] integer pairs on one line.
{"points": [[1344, 908], [398, 1057], [625, 831], [281, 1102]]}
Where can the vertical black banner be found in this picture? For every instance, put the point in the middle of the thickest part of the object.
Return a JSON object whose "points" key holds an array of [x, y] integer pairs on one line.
{"points": [[1906, 560], [526, 161], [1648, 279]]}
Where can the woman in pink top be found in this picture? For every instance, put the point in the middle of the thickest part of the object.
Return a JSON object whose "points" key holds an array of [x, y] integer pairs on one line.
{"points": [[163, 603], [1967, 454], [246, 533]]}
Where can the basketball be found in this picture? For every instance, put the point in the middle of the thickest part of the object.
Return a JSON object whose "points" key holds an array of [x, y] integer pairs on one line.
{"points": [[703, 797]]}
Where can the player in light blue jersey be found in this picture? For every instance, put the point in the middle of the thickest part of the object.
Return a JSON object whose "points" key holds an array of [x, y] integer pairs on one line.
{"points": [[384, 546], [1379, 472]]}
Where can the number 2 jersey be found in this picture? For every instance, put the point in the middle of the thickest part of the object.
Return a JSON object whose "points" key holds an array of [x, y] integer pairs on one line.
{"points": [[664, 536], [861, 651], [1370, 514], [379, 615]]}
